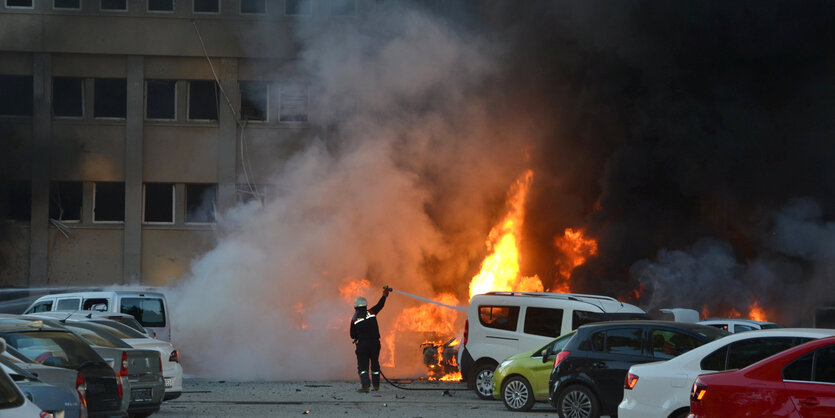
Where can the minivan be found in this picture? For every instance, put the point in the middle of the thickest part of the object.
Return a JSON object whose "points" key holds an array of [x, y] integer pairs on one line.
{"points": [[501, 324], [149, 308]]}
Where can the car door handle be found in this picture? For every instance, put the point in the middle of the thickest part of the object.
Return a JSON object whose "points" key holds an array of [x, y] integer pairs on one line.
{"points": [[810, 401]]}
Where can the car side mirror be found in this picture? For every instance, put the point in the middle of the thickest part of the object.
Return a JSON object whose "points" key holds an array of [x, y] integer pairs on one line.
{"points": [[545, 356], [99, 307]]}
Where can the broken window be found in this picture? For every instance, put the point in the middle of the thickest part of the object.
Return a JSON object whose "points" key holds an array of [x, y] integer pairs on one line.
{"points": [[160, 99], [16, 95], [202, 100], [110, 99], [65, 200], [16, 200], [68, 96], [109, 201], [200, 203], [254, 6], [297, 7], [67, 4], [293, 103], [114, 4], [19, 3], [253, 100], [343, 7], [159, 202], [160, 5], [206, 6]]}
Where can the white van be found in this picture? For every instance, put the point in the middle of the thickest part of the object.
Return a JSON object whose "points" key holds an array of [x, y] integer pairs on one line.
{"points": [[149, 308], [501, 324]]}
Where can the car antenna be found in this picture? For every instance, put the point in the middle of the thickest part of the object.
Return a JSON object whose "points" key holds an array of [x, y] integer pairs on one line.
{"points": [[64, 321]]}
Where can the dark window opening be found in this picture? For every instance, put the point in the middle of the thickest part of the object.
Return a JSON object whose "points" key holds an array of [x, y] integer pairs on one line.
{"points": [[65, 200], [254, 6], [579, 318], [67, 4], [800, 369], [150, 312], [543, 321], [159, 202], [206, 6], [825, 365], [625, 341], [202, 100], [200, 203], [747, 352], [114, 4], [253, 100], [343, 7], [499, 317], [161, 5], [293, 104], [297, 7], [109, 204], [89, 303], [18, 3], [161, 99], [41, 307], [16, 95], [68, 96], [110, 99], [16, 200]]}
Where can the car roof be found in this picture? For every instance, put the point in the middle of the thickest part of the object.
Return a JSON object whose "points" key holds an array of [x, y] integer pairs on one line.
{"points": [[685, 325], [603, 303], [734, 321], [103, 293]]}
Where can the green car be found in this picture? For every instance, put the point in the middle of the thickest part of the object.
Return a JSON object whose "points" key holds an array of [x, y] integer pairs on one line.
{"points": [[522, 378]]}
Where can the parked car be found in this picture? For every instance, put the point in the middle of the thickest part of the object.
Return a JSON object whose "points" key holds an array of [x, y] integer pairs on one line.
{"points": [[522, 379], [588, 375], [500, 324], [149, 308], [125, 319], [797, 382], [55, 346], [14, 404], [662, 389], [57, 400], [738, 324]]}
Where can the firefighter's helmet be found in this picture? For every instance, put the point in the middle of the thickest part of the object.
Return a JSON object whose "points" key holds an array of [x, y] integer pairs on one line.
{"points": [[360, 302]]}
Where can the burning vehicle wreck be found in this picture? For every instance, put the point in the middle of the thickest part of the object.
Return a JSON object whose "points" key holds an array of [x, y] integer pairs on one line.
{"points": [[441, 360]]}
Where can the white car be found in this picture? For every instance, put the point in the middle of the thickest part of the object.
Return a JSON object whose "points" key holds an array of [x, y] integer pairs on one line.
{"points": [[662, 389], [735, 325]]}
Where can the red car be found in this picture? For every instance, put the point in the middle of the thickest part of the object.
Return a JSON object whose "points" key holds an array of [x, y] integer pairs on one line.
{"points": [[799, 382]]}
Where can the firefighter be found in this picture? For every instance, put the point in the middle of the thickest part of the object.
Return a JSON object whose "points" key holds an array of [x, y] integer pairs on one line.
{"points": [[366, 335]]}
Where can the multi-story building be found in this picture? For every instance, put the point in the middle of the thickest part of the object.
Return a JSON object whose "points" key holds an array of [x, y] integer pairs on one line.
{"points": [[126, 125]]}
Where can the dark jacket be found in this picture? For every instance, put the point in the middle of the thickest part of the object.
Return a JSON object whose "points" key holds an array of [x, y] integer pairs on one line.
{"points": [[364, 322]]}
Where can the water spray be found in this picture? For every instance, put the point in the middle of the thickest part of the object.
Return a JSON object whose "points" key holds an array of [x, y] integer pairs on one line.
{"points": [[457, 308]]}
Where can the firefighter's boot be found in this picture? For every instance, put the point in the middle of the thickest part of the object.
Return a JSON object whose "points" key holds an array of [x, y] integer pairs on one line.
{"points": [[375, 380]]}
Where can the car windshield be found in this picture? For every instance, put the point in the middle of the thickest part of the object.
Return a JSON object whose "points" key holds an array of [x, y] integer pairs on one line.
{"points": [[120, 330], [51, 348], [96, 337], [150, 312], [556, 346], [711, 333]]}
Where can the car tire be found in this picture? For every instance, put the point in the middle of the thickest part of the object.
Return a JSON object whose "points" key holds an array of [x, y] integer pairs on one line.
{"points": [[517, 394], [681, 414], [483, 381], [577, 401]]}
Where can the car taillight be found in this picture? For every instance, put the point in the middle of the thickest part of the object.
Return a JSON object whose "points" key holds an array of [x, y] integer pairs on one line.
{"points": [[45, 414], [560, 357], [698, 392], [119, 387], [81, 388], [466, 331], [174, 357], [123, 370], [630, 382]]}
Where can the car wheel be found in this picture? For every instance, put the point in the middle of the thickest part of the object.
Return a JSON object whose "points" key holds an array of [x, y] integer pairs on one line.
{"points": [[577, 401], [681, 414], [484, 381], [517, 394]]}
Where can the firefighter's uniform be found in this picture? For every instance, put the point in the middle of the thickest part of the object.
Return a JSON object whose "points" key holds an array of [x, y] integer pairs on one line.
{"points": [[366, 334]]}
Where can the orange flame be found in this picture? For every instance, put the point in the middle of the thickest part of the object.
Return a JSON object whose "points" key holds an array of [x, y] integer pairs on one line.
{"points": [[705, 312], [452, 377], [500, 270], [734, 313], [427, 318], [575, 249], [354, 288], [756, 312]]}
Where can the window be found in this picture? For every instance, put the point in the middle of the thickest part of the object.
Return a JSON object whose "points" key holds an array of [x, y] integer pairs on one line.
{"points": [[161, 99], [625, 341], [159, 203], [543, 321], [150, 312], [343, 7], [206, 6], [750, 351], [67, 4], [556, 346], [668, 344], [719, 326], [200, 203], [579, 318], [254, 6], [253, 100], [160, 5], [90, 303], [16, 200], [293, 103], [297, 7], [715, 360], [110, 98], [15, 95], [800, 369], [65, 200], [202, 100], [68, 97], [68, 304], [91, 336], [109, 202], [825, 365], [499, 317], [114, 4], [44, 306], [743, 328], [19, 3]]}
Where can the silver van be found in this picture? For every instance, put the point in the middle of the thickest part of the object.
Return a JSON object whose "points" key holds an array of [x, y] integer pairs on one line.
{"points": [[149, 308]]}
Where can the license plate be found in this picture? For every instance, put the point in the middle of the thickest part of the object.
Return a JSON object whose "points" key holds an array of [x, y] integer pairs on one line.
{"points": [[169, 382], [141, 395]]}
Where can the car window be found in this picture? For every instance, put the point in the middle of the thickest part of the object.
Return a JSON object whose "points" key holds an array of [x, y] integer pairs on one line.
{"points": [[667, 344], [124, 331], [625, 341], [91, 336], [579, 318], [743, 328], [716, 360], [720, 326], [150, 312], [89, 304], [770, 326], [825, 365], [543, 321], [747, 352], [499, 317], [52, 348], [68, 305], [44, 306], [800, 369], [556, 346]]}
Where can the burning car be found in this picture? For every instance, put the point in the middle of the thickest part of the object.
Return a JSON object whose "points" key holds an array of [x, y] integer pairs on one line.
{"points": [[441, 359]]}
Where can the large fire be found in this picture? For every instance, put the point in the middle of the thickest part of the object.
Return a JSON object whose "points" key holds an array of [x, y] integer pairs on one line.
{"points": [[575, 249]]}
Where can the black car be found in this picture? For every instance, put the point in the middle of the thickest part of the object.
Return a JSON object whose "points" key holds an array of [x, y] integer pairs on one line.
{"points": [[58, 347], [588, 375]]}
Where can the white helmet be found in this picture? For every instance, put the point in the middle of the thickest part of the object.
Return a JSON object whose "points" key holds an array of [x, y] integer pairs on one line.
{"points": [[360, 302]]}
